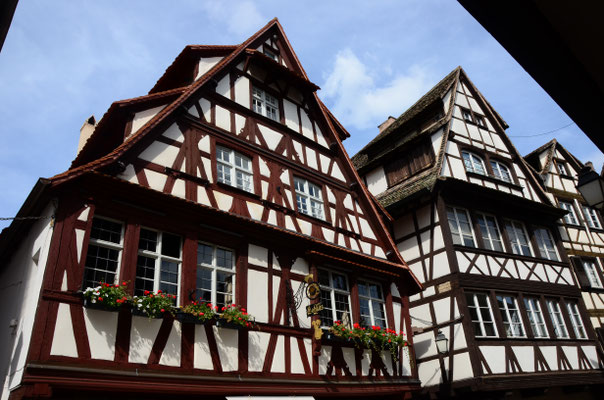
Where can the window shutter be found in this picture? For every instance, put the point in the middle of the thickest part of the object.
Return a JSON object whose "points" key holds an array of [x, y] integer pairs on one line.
{"points": [[580, 272]]}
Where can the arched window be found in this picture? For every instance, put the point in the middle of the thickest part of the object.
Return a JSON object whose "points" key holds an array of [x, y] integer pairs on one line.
{"points": [[473, 163], [500, 171]]}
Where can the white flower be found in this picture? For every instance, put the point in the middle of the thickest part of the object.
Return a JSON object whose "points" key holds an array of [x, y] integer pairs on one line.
{"points": [[93, 300]]}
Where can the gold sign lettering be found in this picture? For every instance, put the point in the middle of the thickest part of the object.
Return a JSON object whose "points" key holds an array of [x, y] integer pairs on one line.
{"points": [[314, 309]]}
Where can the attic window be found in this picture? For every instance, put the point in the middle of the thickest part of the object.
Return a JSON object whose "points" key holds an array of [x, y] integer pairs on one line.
{"points": [[271, 54], [265, 104], [562, 168], [480, 120], [467, 115]]}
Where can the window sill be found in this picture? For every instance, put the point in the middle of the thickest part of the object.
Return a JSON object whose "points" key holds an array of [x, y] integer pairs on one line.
{"points": [[237, 190], [312, 219], [493, 179]]}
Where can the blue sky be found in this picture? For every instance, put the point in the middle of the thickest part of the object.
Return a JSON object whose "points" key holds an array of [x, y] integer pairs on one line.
{"points": [[63, 61]]}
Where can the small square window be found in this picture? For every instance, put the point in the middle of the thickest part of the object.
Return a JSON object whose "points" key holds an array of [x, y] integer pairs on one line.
{"points": [[234, 169], [467, 115], [265, 104]]}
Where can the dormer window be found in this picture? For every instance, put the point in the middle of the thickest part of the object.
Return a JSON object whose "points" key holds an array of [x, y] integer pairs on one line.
{"points": [[265, 104], [473, 163]]}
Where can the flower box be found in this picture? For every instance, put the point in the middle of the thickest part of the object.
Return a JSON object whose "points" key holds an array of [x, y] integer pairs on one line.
{"points": [[99, 306], [223, 323], [142, 313], [188, 318]]}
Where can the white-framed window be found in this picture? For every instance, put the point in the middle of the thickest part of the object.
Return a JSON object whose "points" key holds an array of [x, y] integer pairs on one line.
{"points": [[335, 296], [473, 163], [481, 314], [535, 316], [592, 273], [371, 301], [575, 320], [545, 243], [591, 217], [158, 263], [460, 226], [490, 232], [308, 198], [215, 281], [555, 314], [571, 217], [265, 104], [501, 171], [104, 252], [518, 238], [510, 314], [562, 168], [234, 169]]}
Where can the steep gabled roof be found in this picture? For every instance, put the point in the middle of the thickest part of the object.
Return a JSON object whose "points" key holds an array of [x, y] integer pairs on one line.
{"points": [[550, 147], [399, 135], [435, 94]]}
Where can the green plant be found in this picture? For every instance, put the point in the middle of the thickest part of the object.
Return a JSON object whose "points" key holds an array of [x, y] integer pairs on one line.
{"points": [[374, 337], [154, 304], [111, 297], [234, 314], [200, 310]]}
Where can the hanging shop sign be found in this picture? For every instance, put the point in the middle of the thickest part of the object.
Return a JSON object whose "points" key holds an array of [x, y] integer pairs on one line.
{"points": [[314, 309]]}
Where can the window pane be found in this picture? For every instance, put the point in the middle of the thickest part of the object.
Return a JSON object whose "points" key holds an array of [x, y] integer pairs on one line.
{"points": [[170, 245], [148, 240], [106, 230]]}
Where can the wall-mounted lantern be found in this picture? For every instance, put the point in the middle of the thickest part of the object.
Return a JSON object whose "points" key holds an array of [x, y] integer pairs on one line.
{"points": [[442, 343], [591, 186]]}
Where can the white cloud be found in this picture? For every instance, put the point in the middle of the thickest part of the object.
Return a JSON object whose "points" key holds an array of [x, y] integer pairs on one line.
{"points": [[241, 17], [360, 98]]}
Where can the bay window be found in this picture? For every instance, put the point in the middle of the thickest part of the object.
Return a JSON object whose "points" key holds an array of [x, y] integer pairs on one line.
{"points": [[512, 322], [575, 320], [490, 232], [545, 244], [518, 238], [535, 316], [555, 314], [460, 226]]}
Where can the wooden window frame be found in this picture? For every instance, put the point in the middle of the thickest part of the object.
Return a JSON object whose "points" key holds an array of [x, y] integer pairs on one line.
{"points": [[531, 312], [526, 237], [589, 219], [263, 99], [572, 307], [233, 168], [159, 258], [332, 292], [507, 312], [488, 239], [475, 117], [119, 247], [458, 226], [553, 241], [371, 300], [557, 323], [215, 269], [471, 168], [571, 212], [305, 194], [481, 321]]}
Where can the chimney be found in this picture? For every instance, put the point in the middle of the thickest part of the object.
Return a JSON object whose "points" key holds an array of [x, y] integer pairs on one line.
{"points": [[86, 131], [384, 125]]}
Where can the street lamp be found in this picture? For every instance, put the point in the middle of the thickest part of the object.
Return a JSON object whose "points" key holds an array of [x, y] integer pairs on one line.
{"points": [[591, 186], [442, 343]]}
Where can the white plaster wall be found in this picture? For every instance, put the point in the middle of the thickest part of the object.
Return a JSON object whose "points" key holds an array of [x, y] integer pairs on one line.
{"points": [[142, 336], [223, 118], [224, 86], [171, 354], [495, 357], [142, 117], [257, 349], [291, 115], [101, 327], [306, 126], [205, 64], [271, 136], [429, 373], [201, 349], [257, 292], [462, 367], [160, 153], [242, 91], [63, 339], [526, 357], [226, 341], [21, 278]]}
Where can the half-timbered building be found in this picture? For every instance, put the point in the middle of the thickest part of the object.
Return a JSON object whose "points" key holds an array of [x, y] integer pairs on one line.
{"points": [[581, 229], [227, 182], [477, 229]]}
